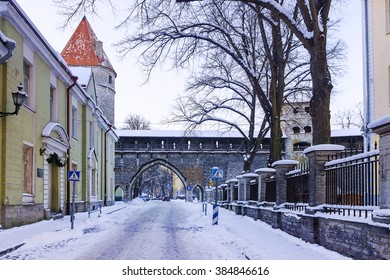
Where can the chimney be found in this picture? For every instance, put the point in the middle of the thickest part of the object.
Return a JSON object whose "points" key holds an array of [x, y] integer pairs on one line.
{"points": [[99, 49]]}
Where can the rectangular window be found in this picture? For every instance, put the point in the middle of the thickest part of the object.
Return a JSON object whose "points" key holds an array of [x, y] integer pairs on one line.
{"points": [[93, 183], [53, 105], [27, 81], [387, 16], [74, 122], [27, 169], [92, 134]]}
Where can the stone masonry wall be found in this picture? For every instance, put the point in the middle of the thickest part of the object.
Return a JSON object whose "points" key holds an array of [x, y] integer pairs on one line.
{"points": [[127, 164], [16, 215], [354, 239]]}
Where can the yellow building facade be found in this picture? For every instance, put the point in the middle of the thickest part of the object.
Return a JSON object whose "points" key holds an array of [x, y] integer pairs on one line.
{"points": [[58, 128], [376, 34]]}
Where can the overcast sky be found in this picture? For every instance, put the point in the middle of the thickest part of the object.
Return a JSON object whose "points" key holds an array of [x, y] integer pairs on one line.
{"points": [[154, 99]]}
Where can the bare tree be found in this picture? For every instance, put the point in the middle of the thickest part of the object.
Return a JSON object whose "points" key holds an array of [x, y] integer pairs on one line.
{"points": [[311, 28], [136, 122], [184, 33], [350, 118]]}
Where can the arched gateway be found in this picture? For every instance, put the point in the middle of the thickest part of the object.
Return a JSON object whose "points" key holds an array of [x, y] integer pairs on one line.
{"points": [[150, 164], [190, 157]]}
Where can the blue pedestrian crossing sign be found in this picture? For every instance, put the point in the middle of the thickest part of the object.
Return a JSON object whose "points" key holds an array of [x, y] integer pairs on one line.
{"points": [[217, 173], [74, 176]]}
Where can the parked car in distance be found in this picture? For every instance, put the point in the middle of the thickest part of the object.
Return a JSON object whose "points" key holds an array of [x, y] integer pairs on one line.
{"points": [[166, 198], [144, 197]]}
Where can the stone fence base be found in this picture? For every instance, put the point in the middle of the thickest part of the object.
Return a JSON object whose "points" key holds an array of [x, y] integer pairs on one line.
{"points": [[354, 239]]}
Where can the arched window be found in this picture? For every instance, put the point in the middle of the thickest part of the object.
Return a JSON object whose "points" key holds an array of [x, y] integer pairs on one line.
{"points": [[300, 146], [296, 130], [307, 129]]}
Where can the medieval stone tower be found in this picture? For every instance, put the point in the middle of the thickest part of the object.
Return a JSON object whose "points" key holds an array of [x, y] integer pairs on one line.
{"points": [[297, 128], [85, 50]]}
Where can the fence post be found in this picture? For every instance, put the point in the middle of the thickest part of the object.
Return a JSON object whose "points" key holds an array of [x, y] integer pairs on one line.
{"points": [[318, 155], [263, 173], [241, 188], [247, 181], [382, 128], [282, 167], [232, 183]]}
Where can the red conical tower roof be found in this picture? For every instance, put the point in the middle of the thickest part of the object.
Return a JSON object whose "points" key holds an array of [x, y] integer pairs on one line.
{"points": [[84, 49]]}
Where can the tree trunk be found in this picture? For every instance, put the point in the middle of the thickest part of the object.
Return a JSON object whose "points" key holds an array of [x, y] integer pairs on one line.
{"points": [[322, 87], [276, 143], [278, 65]]}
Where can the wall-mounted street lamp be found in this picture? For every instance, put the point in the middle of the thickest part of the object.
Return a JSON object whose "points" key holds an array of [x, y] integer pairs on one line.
{"points": [[18, 97]]}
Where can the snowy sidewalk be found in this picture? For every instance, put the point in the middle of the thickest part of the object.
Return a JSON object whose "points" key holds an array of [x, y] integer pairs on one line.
{"points": [[11, 239]]}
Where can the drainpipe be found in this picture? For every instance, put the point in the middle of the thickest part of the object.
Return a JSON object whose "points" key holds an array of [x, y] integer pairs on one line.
{"points": [[367, 73], [74, 79], [105, 163], [10, 46]]}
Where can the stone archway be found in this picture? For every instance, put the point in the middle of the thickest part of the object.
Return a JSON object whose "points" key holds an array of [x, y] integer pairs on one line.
{"points": [[146, 166], [56, 143], [198, 192], [119, 193]]}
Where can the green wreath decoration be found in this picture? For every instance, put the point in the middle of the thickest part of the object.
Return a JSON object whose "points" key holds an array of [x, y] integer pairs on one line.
{"points": [[54, 158]]}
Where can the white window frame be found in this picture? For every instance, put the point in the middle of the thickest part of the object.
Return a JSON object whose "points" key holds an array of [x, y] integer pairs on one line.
{"points": [[74, 122], [28, 197], [92, 134], [29, 59], [53, 99], [75, 118]]}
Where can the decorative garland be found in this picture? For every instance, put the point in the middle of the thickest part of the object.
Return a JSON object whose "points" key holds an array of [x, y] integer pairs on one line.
{"points": [[54, 158]]}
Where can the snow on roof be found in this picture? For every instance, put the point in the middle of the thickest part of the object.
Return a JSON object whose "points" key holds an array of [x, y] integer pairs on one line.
{"points": [[285, 162], [265, 170], [84, 48], [5, 39], [346, 132], [324, 147], [178, 133], [83, 74], [213, 133], [379, 122], [250, 175]]}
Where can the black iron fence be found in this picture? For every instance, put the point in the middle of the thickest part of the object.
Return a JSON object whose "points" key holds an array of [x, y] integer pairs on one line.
{"points": [[297, 184], [353, 180], [270, 189], [253, 190]]}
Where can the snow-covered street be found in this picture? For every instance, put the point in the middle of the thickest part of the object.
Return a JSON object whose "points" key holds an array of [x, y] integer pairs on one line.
{"points": [[156, 230]]}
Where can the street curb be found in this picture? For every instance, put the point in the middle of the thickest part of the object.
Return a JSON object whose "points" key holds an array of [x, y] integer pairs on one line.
{"points": [[113, 211], [7, 251]]}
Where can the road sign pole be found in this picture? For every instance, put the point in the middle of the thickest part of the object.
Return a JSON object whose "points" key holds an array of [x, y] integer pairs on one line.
{"points": [[73, 205], [73, 176], [216, 174], [215, 207]]}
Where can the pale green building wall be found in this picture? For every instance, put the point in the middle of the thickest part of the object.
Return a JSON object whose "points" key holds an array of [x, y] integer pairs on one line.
{"points": [[26, 129]]}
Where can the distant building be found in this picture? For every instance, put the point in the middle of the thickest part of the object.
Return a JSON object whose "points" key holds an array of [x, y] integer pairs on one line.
{"points": [[85, 50], [297, 132], [296, 128]]}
